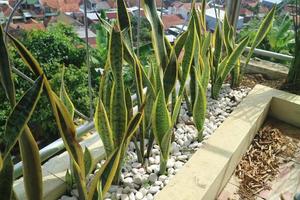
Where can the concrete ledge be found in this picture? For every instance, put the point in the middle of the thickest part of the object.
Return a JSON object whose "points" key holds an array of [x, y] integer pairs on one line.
{"points": [[55, 169], [269, 69], [206, 173]]}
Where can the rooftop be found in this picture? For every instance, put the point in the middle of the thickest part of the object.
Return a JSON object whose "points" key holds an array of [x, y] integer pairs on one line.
{"points": [[211, 13], [172, 20], [28, 25], [63, 5]]}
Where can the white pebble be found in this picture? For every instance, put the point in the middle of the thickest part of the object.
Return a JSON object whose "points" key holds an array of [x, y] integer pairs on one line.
{"points": [[137, 179], [124, 197], [178, 164], [136, 165], [65, 197], [139, 196], [149, 196], [152, 177], [170, 163], [154, 189]]}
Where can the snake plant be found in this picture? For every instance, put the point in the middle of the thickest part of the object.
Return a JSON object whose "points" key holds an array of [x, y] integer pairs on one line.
{"points": [[164, 76], [114, 119], [81, 162], [224, 62], [16, 129]]}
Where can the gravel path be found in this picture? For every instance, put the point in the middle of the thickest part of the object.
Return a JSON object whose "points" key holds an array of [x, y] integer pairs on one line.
{"points": [[138, 183]]}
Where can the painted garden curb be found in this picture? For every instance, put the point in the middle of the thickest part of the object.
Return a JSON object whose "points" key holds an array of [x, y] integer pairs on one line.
{"points": [[54, 170], [209, 169]]}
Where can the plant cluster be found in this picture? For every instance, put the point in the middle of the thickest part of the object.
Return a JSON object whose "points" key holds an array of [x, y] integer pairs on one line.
{"points": [[179, 72]]}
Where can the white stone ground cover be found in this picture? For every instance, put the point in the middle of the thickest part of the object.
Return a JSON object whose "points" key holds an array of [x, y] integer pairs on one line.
{"points": [[138, 183]]}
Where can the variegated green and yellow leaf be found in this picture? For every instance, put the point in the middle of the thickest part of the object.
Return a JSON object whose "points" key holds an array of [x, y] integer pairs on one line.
{"points": [[118, 110], [158, 38], [263, 30], [188, 55], [29, 60], [32, 172], [5, 71], [106, 174], [103, 128], [233, 59], [170, 75], [65, 97], [161, 121], [199, 109], [21, 114], [6, 179], [179, 43], [1, 162], [88, 161]]}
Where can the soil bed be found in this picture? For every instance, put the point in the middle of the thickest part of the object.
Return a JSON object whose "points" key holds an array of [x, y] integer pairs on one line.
{"points": [[273, 154]]}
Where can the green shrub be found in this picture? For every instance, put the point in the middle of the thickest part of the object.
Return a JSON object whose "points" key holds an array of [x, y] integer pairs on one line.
{"points": [[54, 48]]}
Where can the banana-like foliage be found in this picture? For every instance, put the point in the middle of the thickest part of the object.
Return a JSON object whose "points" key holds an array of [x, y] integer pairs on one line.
{"points": [[293, 79], [114, 121]]}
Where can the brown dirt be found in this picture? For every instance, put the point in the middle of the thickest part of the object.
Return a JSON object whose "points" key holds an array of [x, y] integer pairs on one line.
{"points": [[260, 164], [250, 80]]}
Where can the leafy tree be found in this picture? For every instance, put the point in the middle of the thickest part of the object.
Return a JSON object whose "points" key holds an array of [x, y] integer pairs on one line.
{"points": [[145, 30], [57, 46]]}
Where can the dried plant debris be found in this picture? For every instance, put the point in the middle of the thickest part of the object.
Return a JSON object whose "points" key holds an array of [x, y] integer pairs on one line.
{"points": [[260, 164]]}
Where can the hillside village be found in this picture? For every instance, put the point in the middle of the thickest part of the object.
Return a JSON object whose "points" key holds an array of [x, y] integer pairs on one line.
{"points": [[34, 14]]}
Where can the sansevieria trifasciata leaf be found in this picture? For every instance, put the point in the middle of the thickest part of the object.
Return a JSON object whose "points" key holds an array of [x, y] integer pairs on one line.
{"points": [[21, 114], [5, 71], [118, 110], [64, 95], [102, 126], [6, 179]]}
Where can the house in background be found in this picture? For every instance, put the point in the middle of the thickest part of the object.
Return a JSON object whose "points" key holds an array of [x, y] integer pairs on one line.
{"points": [[183, 9], [270, 3], [62, 5], [172, 20], [80, 30], [211, 19], [97, 5], [247, 14]]}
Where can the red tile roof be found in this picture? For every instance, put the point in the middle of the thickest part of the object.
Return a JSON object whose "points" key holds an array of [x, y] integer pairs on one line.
{"points": [[63, 5], [111, 15], [263, 9], [112, 3], [251, 3], [246, 12], [6, 10], [186, 6], [28, 25], [171, 20], [290, 8]]}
